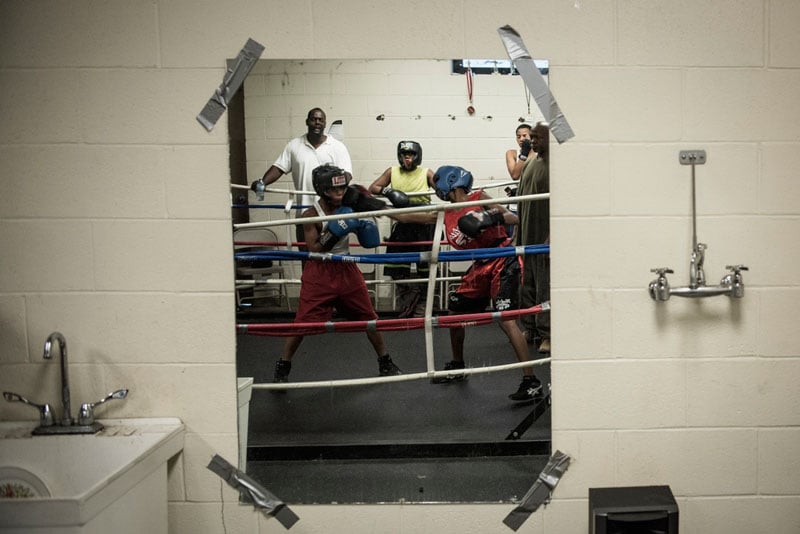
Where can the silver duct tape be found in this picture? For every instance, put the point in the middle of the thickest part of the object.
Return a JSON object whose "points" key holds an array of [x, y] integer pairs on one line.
{"points": [[211, 113], [540, 491], [530, 74], [253, 492], [233, 80]]}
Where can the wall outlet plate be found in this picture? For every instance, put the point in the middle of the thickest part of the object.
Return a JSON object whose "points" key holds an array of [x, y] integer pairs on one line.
{"points": [[692, 157]]}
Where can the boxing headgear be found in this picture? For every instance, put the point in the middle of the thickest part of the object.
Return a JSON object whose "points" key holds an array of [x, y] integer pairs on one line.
{"points": [[326, 176], [413, 147], [449, 177]]}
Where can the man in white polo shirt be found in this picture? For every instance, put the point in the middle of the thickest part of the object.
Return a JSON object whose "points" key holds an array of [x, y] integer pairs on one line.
{"points": [[303, 154]]}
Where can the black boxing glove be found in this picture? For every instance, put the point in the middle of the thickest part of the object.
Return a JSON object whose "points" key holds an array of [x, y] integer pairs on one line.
{"points": [[397, 198], [359, 199], [475, 222], [525, 149]]}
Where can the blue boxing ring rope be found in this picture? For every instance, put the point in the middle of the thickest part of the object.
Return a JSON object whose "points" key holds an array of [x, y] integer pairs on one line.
{"points": [[396, 257]]}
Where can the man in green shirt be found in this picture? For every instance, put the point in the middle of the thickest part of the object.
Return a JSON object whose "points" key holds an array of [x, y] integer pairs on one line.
{"points": [[534, 229]]}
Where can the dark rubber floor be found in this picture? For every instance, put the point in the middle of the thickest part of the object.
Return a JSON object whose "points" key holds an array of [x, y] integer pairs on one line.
{"points": [[406, 441]]}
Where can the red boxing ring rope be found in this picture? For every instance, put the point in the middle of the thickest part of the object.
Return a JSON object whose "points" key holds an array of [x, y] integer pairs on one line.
{"points": [[302, 243], [412, 323]]}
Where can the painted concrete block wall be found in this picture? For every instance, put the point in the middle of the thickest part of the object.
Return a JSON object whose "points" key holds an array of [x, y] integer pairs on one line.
{"points": [[419, 100], [114, 229]]}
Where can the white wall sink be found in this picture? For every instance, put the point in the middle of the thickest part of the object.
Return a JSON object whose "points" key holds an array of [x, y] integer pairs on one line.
{"points": [[112, 481]]}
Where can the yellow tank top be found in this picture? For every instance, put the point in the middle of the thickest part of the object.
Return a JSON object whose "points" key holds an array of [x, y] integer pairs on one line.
{"points": [[415, 181]]}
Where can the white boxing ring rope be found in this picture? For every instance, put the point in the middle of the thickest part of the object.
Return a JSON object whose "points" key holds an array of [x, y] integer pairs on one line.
{"points": [[440, 208], [396, 378], [431, 192]]}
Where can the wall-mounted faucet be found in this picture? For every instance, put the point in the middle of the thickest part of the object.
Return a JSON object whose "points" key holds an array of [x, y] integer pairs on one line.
{"points": [[731, 284], [85, 423]]}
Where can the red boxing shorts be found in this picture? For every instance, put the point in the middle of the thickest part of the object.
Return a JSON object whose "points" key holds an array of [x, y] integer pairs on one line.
{"points": [[496, 279], [329, 284]]}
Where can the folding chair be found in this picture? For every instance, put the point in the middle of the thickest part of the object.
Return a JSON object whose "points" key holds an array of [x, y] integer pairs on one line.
{"points": [[258, 293]]}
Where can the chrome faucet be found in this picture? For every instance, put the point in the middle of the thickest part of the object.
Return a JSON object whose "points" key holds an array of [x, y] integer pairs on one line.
{"points": [[731, 284], [66, 418], [697, 277], [85, 423]]}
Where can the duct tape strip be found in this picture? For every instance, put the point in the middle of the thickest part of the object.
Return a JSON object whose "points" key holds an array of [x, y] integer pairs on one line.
{"points": [[540, 491], [253, 492], [233, 80], [523, 61]]}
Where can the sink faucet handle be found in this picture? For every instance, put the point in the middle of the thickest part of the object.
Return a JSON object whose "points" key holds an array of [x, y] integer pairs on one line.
{"points": [[86, 413], [736, 268], [45, 411], [660, 271], [659, 288], [734, 280]]}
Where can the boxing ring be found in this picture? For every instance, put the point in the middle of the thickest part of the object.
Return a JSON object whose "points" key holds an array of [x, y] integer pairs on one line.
{"points": [[427, 323], [340, 430]]}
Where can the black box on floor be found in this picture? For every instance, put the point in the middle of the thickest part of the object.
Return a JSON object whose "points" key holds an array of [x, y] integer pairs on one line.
{"points": [[633, 510]]}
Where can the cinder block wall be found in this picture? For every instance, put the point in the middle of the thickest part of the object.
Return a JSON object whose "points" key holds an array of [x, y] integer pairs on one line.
{"points": [[381, 102], [115, 229]]}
